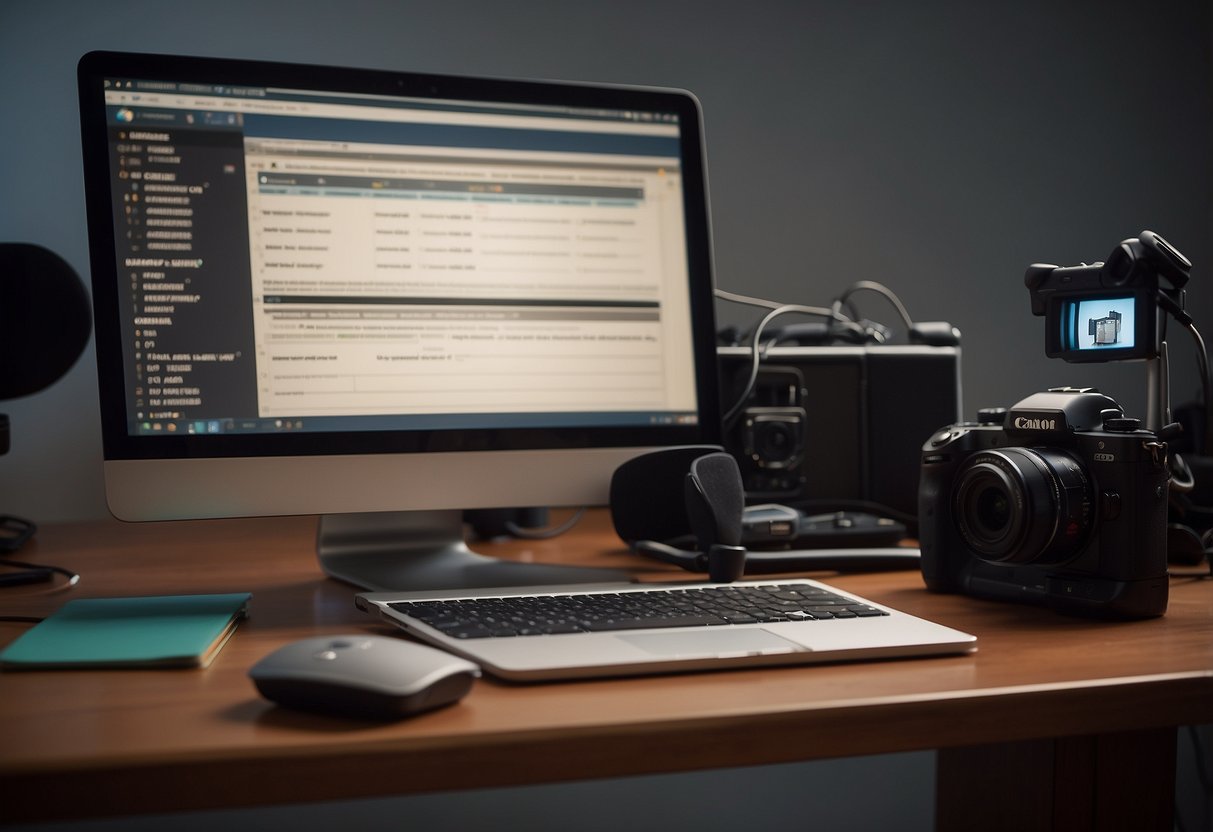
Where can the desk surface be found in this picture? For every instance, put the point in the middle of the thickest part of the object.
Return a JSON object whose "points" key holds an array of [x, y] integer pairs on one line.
{"points": [[155, 740]]}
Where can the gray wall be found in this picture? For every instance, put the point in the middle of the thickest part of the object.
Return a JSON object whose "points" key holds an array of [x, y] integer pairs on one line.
{"points": [[938, 147]]}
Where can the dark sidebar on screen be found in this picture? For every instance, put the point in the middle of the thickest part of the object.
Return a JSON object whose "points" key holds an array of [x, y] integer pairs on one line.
{"points": [[182, 247]]}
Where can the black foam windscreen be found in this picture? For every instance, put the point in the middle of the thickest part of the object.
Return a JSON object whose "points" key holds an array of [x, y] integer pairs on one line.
{"points": [[715, 500], [45, 319], [647, 500]]}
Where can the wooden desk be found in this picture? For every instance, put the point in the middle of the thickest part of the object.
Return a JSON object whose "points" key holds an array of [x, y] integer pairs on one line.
{"points": [[1055, 721]]}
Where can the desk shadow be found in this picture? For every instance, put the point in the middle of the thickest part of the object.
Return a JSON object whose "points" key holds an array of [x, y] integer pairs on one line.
{"points": [[314, 604], [987, 616], [266, 715]]}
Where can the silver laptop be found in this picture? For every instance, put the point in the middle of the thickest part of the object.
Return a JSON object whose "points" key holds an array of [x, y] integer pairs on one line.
{"points": [[536, 634]]}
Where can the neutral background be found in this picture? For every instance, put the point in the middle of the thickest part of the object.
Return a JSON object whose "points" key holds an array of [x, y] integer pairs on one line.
{"points": [[936, 146]]}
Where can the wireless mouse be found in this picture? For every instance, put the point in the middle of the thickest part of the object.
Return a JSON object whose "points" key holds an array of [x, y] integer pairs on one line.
{"points": [[373, 677]]}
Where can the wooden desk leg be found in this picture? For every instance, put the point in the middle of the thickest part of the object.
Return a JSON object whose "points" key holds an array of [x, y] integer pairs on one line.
{"points": [[1123, 781]]}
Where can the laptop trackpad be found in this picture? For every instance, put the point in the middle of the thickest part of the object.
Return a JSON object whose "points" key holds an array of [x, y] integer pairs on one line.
{"points": [[712, 643]]}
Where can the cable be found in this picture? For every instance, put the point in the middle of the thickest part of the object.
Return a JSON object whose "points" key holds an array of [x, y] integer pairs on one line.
{"points": [[834, 314], [850, 318], [747, 300], [524, 533], [73, 578], [870, 506], [884, 291], [1202, 364], [756, 351], [776, 309], [15, 531]]}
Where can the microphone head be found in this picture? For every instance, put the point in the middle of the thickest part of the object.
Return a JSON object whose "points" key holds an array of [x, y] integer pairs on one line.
{"points": [[715, 500], [45, 319]]}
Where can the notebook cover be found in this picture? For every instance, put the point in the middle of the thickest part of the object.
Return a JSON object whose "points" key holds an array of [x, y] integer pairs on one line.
{"points": [[155, 631]]}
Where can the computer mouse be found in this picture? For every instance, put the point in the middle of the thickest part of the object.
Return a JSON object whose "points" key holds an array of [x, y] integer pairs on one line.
{"points": [[373, 677]]}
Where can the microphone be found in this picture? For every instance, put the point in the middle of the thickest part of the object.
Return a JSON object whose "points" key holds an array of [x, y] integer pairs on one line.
{"points": [[667, 492]]}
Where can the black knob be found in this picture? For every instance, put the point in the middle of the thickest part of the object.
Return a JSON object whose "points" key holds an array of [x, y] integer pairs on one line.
{"points": [[991, 415], [942, 437], [1121, 424]]}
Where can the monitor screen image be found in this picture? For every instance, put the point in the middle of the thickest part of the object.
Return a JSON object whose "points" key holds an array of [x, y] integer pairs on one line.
{"points": [[350, 292], [1102, 323]]}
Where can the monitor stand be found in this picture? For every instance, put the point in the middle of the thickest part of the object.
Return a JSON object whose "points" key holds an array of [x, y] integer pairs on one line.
{"points": [[422, 550]]}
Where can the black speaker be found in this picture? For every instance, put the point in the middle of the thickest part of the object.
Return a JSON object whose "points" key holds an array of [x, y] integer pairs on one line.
{"points": [[45, 319], [647, 499]]}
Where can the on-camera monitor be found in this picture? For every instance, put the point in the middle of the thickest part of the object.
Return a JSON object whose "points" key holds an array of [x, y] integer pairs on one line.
{"points": [[333, 291], [1112, 326]]}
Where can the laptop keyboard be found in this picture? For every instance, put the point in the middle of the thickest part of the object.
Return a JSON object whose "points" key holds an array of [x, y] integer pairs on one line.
{"points": [[707, 606]]}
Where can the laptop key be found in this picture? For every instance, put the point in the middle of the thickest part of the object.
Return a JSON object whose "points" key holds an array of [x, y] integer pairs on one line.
{"points": [[556, 629], [653, 623]]}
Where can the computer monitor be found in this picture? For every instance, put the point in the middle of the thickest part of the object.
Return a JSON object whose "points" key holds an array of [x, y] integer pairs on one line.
{"points": [[388, 297]]}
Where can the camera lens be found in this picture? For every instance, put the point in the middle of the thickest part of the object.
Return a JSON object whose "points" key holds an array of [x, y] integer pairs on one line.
{"points": [[774, 437], [1023, 505], [775, 440], [993, 509]]}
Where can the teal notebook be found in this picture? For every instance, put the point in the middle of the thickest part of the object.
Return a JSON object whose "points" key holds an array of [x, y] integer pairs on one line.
{"points": [[157, 631]]}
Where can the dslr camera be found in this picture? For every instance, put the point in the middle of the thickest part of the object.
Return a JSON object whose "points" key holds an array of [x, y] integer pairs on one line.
{"points": [[1060, 501], [1063, 500]]}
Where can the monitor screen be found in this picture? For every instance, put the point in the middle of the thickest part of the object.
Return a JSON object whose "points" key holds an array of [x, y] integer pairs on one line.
{"points": [[324, 290], [1100, 323]]}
